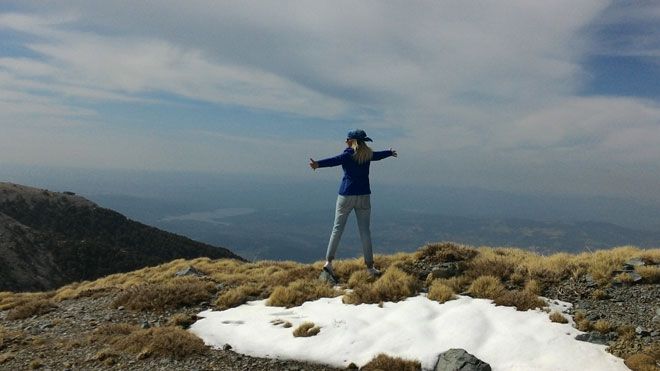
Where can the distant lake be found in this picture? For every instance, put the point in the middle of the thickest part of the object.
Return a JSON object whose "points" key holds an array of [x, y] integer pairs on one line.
{"points": [[211, 216]]}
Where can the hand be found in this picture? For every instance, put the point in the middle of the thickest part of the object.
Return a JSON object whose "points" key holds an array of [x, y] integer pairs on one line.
{"points": [[394, 154], [313, 164]]}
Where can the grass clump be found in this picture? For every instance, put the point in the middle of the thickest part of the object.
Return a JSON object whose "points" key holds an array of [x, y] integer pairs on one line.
{"points": [[182, 320], [641, 362], [649, 274], [441, 292], [458, 283], [299, 292], [31, 308], [168, 341], [445, 252], [599, 294], [521, 300], [393, 285], [384, 362], [178, 292], [486, 287], [359, 278], [306, 329], [534, 287], [557, 317], [239, 295], [602, 326]]}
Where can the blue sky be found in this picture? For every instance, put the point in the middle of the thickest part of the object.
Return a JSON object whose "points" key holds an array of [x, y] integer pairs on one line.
{"points": [[552, 97]]}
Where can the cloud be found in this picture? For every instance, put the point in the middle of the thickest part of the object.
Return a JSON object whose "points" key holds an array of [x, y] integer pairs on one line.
{"points": [[480, 93]]}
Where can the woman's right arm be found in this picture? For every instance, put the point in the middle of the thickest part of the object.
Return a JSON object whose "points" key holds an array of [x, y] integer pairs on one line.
{"points": [[332, 161]]}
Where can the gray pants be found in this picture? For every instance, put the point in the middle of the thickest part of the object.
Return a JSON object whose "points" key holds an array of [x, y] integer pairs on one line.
{"points": [[362, 206]]}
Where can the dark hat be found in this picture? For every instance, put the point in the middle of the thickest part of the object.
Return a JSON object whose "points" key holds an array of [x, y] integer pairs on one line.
{"points": [[358, 134]]}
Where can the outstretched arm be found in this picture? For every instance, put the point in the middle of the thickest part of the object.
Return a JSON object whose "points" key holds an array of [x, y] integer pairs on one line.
{"points": [[379, 155], [331, 161]]}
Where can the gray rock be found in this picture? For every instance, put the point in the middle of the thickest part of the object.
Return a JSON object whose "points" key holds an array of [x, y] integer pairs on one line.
{"points": [[589, 280], [641, 331], [145, 325], [226, 347], [460, 360], [446, 270], [597, 337], [632, 263], [189, 271]]}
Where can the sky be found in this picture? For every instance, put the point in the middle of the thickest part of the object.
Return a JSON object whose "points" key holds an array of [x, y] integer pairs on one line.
{"points": [[416, 328], [556, 97]]}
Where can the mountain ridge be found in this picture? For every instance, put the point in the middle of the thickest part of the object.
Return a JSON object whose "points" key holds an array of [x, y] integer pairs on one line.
{"points": [[48, 239]]}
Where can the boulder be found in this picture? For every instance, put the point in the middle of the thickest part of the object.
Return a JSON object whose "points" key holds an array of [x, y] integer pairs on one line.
{"points": [[460, 360]]}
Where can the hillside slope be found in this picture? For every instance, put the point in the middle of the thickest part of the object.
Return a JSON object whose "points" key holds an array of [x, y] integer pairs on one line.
{"points": [[48, 239]]}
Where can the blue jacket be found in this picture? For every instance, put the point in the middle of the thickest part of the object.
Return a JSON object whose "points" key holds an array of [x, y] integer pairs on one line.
{"points": [[356, 176]]}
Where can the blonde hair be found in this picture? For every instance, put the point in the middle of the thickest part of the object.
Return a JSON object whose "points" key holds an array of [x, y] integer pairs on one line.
{"points": [[362, 151]]}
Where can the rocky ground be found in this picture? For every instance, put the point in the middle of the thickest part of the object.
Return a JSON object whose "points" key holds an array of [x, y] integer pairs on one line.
{"points": [[59, 341]]}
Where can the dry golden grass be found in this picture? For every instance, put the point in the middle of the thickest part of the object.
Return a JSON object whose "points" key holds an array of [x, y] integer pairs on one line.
{"points": [[178, 292], [240, 295], [521, 300], [487, 287], [583, 325], [393, 285], [172, 342], [534, 287], [558, 317], [602, 326], [35, 364], [168, 341], [445, 252], [383, 362], [360, 277], [31, 308], [299, 292], [649, 274], [306, 329], [182, 320], [499, 263], [641, 362], [599, 294], [440, 292], [458, 283]]}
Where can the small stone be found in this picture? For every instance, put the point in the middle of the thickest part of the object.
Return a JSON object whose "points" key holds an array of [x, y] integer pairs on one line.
{"points": [[145, 325], [46, 325], [121, 307], [226, 347], [189, 271], [352, 366], [641, 331]]}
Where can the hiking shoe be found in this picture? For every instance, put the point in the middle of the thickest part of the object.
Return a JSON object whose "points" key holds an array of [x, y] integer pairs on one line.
{"points": [[373, 272], [331, 273]]}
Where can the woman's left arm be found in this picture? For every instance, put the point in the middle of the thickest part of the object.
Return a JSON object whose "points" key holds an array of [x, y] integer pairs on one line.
{"points": [[379, 155]]}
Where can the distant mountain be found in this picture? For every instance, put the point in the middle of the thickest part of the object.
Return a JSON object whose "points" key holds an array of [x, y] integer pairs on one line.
{"points": [[48, 239]]}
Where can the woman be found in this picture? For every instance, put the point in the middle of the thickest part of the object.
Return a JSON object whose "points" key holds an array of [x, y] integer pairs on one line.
{"points": [[354, 194]]}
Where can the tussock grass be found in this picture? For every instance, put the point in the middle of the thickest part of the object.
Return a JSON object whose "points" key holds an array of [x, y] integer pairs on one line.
{"points": [[458, 283], [445, 252], [558, 317], [5, 357], [602, 326], [240, 295], [306, 329], [299, 292], [599, 294], [361, 277], [31, 308], [534, 287], [182, 320], [393, 285], [641, 362], [487, 287], [440, 292], [168, 341], [172, 342], [521, 300], [384, 362], [649, 274], [178, 292], [493, 262]]}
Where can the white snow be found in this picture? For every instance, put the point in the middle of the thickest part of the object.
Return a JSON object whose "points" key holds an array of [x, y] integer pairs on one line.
{"points": [[416, 328]]}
